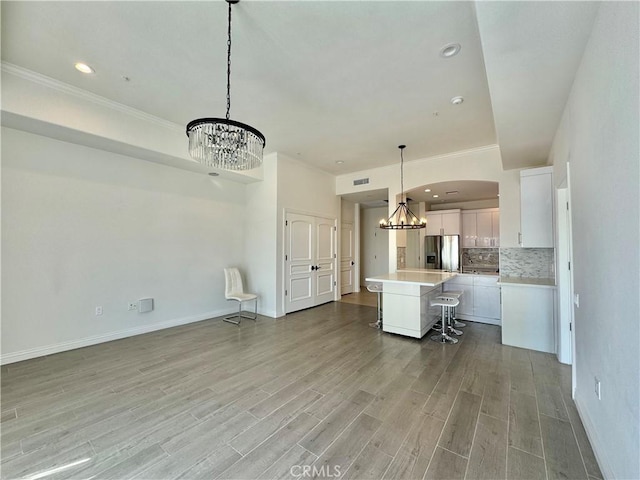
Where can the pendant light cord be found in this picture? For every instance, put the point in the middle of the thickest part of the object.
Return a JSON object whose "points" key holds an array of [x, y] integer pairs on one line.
{"points": [[401, 173], [229, 63]]}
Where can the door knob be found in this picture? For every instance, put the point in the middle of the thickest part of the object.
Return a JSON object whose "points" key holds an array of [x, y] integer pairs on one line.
{"points": [[352, 263], [313, 267]]}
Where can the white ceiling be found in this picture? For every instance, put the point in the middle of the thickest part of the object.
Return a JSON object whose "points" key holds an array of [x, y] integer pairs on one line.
{"points": [[456, 191], [324, 81]]}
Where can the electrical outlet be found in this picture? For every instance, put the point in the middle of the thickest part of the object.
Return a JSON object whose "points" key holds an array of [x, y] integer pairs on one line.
{"points": [[98, 311], [132, 306], [597, 388]]}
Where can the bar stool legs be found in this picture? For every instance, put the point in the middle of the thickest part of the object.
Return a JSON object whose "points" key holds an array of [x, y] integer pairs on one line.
{"points": [[446, 304], [377, 288]]}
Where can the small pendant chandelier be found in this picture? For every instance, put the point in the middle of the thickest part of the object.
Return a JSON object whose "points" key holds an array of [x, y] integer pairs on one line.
{"points": [[221, 142], [402, 218]]}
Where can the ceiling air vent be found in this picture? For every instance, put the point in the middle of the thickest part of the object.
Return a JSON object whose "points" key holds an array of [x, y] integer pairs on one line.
{"points": [[361, 181]]}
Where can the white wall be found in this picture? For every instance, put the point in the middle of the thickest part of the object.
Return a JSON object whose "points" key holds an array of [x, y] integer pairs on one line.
{"points": [[374, 241], [598, 135], [260, 242], [303, 189], [288, 185], [83, 228], [483, 164]]}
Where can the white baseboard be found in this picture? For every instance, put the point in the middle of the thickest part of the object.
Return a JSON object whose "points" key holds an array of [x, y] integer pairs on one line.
{"points": [[85, 342], [473, 318], [596, 444]]}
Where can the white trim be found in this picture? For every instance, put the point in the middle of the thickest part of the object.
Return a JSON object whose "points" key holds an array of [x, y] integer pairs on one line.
{"points": [[457, 153], [54, 84], [605, 467], [473, 318], [88, 341]]}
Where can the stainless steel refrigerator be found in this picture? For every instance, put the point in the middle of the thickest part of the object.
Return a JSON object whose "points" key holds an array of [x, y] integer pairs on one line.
{"points": [[442, 252]]}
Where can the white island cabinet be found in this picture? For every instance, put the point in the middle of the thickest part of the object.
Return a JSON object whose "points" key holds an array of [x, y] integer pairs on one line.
{"points": [[405, 301]]}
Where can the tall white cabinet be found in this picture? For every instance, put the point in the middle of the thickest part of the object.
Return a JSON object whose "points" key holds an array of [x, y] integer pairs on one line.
{"points": [[536, 208]]}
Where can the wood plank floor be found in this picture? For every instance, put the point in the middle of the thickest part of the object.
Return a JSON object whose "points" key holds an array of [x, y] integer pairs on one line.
{"points": [[317, 390]]}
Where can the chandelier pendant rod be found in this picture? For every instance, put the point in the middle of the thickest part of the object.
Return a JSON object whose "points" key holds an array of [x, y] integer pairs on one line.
{"points": [[229, 62]]}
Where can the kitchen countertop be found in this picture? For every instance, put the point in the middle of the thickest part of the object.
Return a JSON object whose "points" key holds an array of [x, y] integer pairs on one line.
{"points": [[537, 282], [427, 278]]}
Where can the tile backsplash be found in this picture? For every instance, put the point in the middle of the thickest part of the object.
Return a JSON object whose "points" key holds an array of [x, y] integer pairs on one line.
{"points": [[402, 257], [482, 257], [527, 262]]}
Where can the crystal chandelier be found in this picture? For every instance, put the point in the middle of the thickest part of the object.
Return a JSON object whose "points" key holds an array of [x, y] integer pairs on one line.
{"points": [[402, 218], [221, 142]]}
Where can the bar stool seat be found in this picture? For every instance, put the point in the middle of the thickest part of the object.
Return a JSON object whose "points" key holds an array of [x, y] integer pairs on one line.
{"points": [[377, 288], [455, 294], [446, 304]]}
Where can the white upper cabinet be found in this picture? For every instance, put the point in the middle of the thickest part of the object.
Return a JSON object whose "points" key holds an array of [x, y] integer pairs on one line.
{"points": [[495, 226], [481, 228], [451, 223], [434, 223], [443, 222], [469, 229], [536, 208], [484, 229]]}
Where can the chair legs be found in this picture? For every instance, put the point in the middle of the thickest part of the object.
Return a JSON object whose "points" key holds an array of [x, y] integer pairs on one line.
{"points": [[240, 315]]}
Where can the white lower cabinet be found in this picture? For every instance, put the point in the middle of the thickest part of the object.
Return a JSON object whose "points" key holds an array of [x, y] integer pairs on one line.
{"points": [[480, 301], [527, 317]]}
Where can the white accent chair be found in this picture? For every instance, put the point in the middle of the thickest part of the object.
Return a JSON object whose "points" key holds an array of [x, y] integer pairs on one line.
{"points": [[234, 290]]}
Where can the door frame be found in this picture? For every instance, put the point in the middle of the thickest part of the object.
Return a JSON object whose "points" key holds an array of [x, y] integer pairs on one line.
{"points": [[283, 252], [352, 248], [564, 327]]}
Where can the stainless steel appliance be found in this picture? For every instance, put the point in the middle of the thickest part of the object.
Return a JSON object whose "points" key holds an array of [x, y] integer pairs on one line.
{"points": [[442, 252]]}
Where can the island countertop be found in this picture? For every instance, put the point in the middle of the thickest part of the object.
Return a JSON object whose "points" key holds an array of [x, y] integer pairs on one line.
{"points": [[423, 278]]}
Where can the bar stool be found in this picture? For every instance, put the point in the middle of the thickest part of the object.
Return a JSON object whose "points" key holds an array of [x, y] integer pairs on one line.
{"points": [[377, 288], [452, 313], [447, 304], [457, 294]]}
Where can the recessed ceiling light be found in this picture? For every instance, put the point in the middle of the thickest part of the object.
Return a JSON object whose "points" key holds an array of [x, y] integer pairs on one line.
{"points": [[427, 190], [213, 174], [453, 192], [339, 162], [84, 68], [457, 100], [450, 50], [436, 196]]}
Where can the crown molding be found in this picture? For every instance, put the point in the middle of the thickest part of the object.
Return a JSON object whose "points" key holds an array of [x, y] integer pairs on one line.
{"points": [[62, 87], [458, 153]]}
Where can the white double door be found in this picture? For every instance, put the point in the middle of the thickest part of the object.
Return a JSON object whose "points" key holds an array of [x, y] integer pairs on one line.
{"points": [[310, 261]]}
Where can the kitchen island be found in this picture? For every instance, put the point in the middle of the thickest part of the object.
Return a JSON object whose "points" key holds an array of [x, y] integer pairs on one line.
{"points": [[405, 300]]}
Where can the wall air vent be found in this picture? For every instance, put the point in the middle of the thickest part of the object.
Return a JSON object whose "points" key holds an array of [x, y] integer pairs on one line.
{"points": [[361, 181]]}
